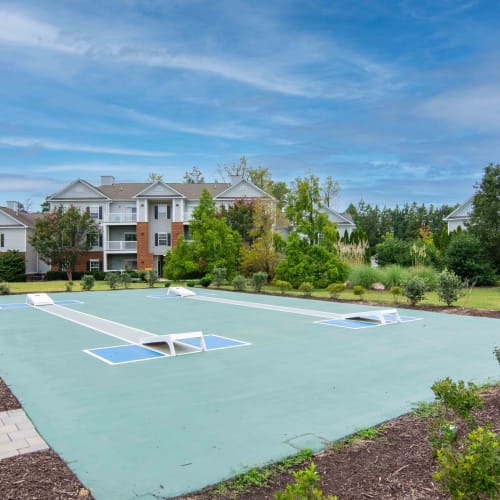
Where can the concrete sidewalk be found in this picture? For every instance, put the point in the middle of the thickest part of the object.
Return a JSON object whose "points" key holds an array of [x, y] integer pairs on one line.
{"points": [[18, 435]]}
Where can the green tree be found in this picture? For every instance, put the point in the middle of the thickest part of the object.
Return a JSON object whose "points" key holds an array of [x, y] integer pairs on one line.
{"points": [[61, 236], [194, 176], [11, 265], [215, 243], [330, 189], [239, 216], [485, 217], [181, 262]]}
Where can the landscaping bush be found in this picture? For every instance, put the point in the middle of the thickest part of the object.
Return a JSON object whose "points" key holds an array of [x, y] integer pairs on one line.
{"points": [[11, 265], [306, 288], [190, 284], [113, 279], [259, 280], [283, 286], [4, 289], [396, 292], [125, 279], [364, 275], [101, 275], [206, 280], [414, 289], [87, 282], [334, 289], [474, 471], [219, 276], [428, 274], [359, 291], [393, 251], [393, 275], [239, 282], [305, 487], [69, 286], [449, 287], [62, 275]]}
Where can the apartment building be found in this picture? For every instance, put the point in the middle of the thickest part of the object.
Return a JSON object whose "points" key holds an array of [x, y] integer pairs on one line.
{"points": [[139, 222]]}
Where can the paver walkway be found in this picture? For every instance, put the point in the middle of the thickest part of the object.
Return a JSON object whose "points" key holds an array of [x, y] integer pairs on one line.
{"points": [[18, 435]]}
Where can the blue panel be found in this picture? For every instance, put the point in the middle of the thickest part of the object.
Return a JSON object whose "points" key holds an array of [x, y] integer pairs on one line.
{"points": [[125, 353], [13, 306]]}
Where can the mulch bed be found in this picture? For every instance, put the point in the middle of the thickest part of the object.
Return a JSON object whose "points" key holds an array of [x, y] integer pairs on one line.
{"points": [[398, 464]]}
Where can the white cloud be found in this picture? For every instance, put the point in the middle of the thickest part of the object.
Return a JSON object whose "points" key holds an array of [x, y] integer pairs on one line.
{"points": [[38, 143]]}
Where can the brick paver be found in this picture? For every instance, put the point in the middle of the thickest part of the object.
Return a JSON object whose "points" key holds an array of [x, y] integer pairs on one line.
{"points": [[18, 435]]}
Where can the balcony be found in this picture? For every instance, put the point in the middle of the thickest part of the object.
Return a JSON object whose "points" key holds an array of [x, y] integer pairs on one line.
{"points": [[126, 217], [121, 246]]}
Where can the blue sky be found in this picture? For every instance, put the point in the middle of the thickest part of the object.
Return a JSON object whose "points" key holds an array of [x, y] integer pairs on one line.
{"points": [[398, 101]]}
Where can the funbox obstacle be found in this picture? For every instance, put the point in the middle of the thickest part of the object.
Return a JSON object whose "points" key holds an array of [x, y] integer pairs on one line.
{"points": [[180, 291], [39, 299], [173, 338]]}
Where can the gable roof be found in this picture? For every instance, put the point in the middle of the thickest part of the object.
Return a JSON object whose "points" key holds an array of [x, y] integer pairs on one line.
{"points": [[25, 219], [461, 212], [159, 189], [244, 189], [193, 191], [344, 219], [84, 189]]}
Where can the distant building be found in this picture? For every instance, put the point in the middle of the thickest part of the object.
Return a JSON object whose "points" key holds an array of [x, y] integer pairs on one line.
{"points": [[460, 216], [16, 227], [139, 222]]}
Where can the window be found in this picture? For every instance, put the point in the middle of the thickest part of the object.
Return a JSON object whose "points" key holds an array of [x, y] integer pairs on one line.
{"points": [[163, 239], [163, 211], [130, 236], [2, 240], [95, 212], [94, 265]]}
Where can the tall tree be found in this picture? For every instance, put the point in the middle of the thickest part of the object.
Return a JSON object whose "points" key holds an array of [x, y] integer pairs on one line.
{"points": [[194, 176], [154, 177], [241, 169], [485, 217], [330, 189], [61, 236], [216, 244]]}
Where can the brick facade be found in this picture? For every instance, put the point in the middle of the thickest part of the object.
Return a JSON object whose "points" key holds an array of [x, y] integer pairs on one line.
{"points": [[177, 230], [144, 256]]}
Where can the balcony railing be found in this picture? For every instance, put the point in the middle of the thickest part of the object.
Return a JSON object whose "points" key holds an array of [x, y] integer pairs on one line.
{"points": [[120, 217], [130, 246]]}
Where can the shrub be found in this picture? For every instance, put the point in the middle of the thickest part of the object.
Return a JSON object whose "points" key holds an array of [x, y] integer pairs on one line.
{"points": [[359, 291], [393, 251], [259, 280], [428, 274], [206, 280], [305, 487], [395, 292], [334, 289], [113, 280], [393, 275], [449, 287], [474, 471], [365, 275], [458, 398], [219, 276], [414, 289], [87, 282], [11, 265], [239, 282], [101, 275], [190, 284], [125, 279], [57, 275], [306, 288], [69, 286], [283, 286], [4, 289]]}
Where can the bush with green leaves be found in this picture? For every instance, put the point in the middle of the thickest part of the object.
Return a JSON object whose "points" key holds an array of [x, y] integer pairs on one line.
{"points": [[393, 251], [359, 291], [11, 266], [69, 286], [190, 284], [393, 275], [395, 292], [365, 275], [305, 487], [449, 287], [125, 279], [219, 276], [335, 289], [458, 398], [428, 274], [259, 280], [4, 289], [282, 285], [306, 288], [472, 472], [113, 279], [414, 289], [87, 282], [206, 280], [239, 282]]}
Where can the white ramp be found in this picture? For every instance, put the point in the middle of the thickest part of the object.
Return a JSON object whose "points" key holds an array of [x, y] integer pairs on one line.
{"points": [[378, 316], [180, 291], [171, 338], [39, 299]]}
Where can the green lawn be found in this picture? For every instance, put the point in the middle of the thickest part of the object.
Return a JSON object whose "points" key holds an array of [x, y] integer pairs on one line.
{"points": [[478, 298]]}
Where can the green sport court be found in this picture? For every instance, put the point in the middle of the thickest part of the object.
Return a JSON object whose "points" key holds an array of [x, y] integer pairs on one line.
{"points": [[278, 375]]}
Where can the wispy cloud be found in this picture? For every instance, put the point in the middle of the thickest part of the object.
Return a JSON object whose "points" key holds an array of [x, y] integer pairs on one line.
{"points": [[34, 144]]}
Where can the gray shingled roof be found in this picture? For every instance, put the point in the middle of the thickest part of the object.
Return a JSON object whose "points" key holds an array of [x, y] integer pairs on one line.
{"points": [[26, 218]]}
